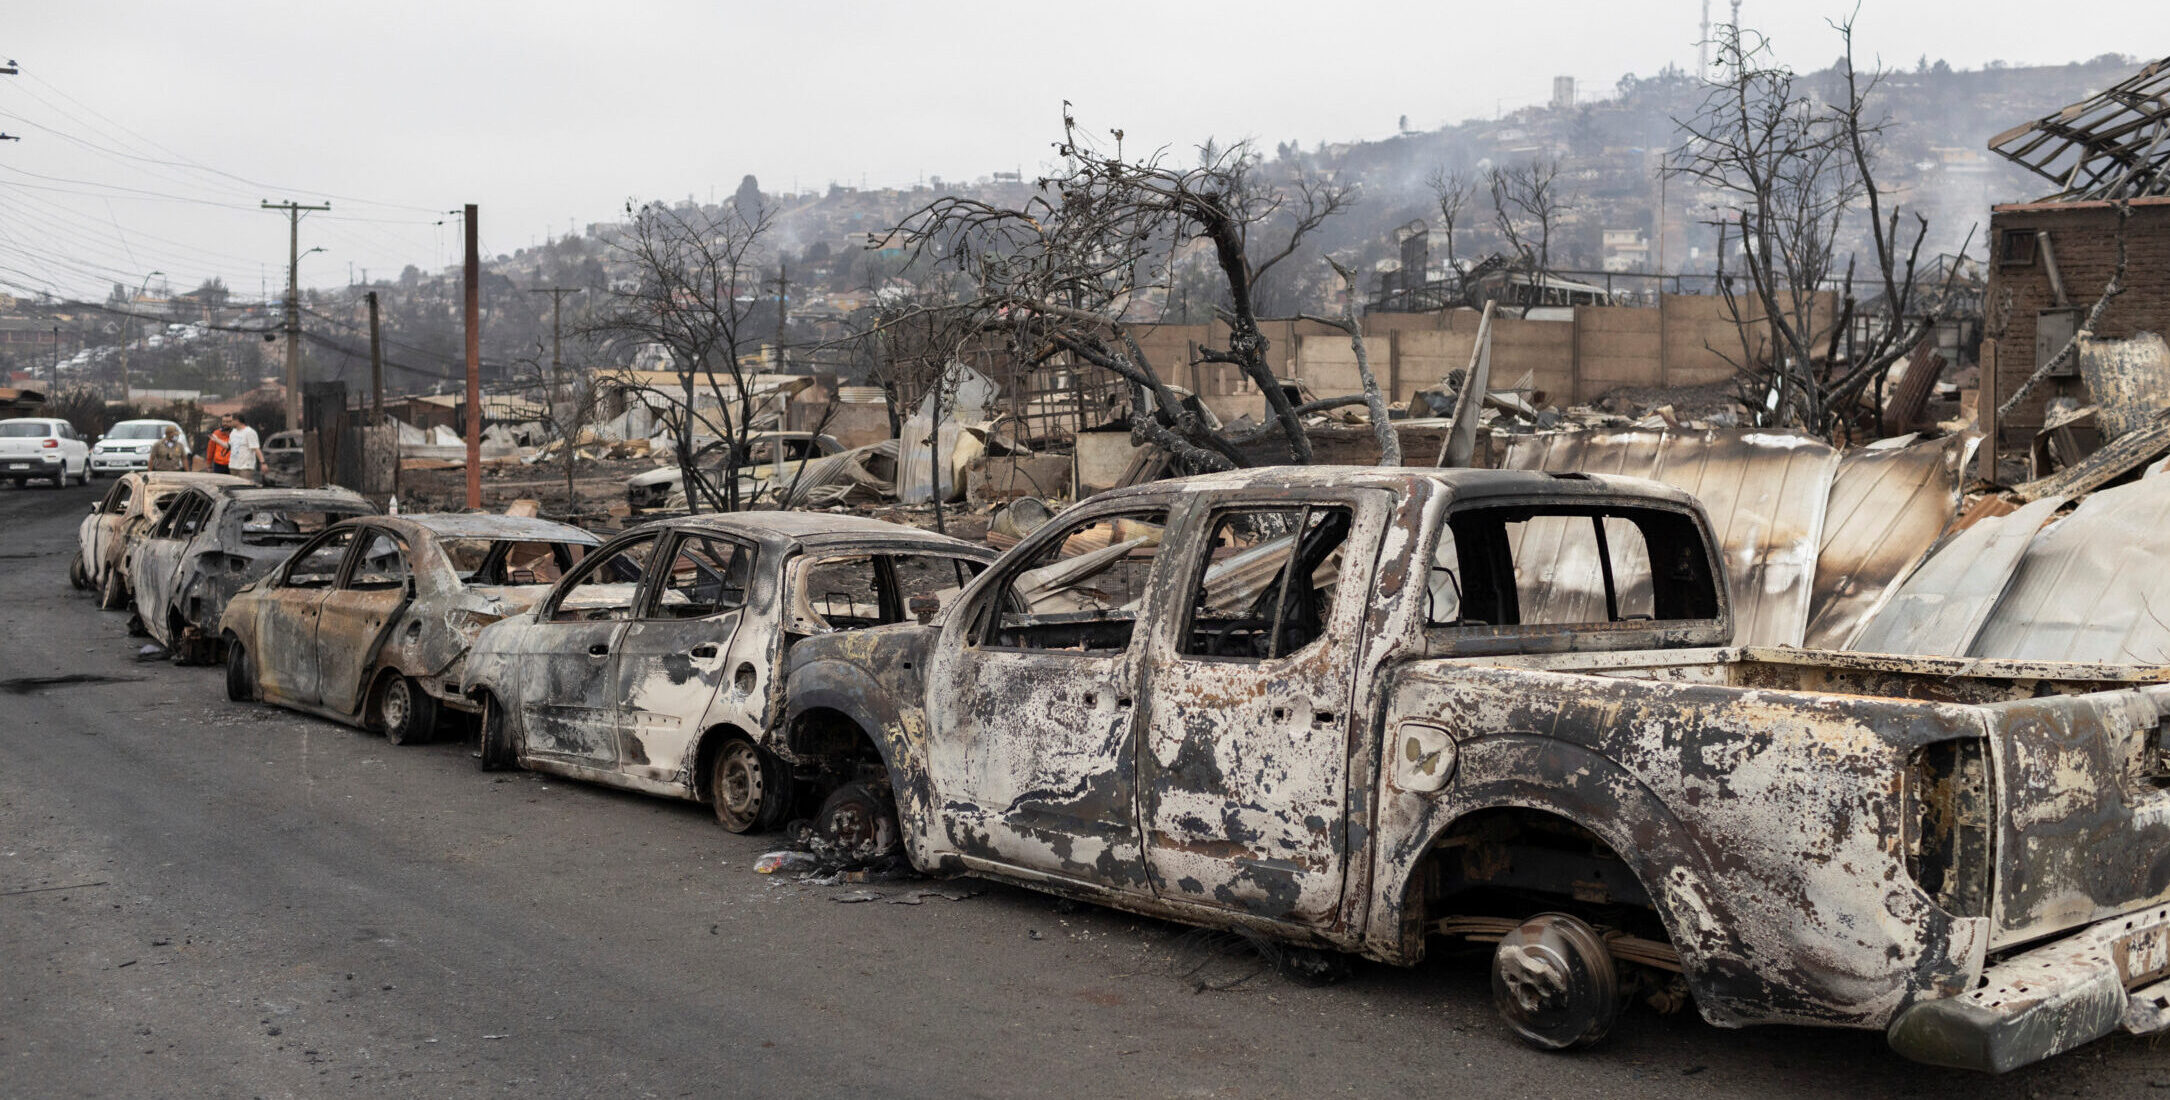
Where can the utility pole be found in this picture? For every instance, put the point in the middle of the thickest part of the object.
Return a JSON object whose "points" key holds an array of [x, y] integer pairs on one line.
{"points": [[56, 361], [294, 211], [783, 313], [474, 362], [557, 345], [129, 333], [376, 365], [557, 335]]}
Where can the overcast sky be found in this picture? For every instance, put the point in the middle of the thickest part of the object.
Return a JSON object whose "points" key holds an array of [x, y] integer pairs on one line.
{"points": [[152, 129]]}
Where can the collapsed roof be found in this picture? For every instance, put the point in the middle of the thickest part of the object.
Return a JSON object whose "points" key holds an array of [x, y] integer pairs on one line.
{"points": [[2108, 146]]}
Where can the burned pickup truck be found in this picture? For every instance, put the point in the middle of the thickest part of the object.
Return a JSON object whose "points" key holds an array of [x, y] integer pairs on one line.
{"points": [[1370, 710]]}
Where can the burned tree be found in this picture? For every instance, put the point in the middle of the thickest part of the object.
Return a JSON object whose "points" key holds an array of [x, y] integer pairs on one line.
{"points": [[571, 403], [1526, 208], [694, 273], [1790, 173], [1452, 192], [1060, 277]]}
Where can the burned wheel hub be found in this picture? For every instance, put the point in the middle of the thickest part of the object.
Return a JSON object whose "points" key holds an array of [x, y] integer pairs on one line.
{"points": [[740, 786], [857, 824], [1554, 981], [395, 706]]}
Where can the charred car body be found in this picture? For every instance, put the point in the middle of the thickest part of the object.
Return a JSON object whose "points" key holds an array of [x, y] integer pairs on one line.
{"points": [[214, 541], [1363, 709], [128, 509], [369, 621], [655, 664]]}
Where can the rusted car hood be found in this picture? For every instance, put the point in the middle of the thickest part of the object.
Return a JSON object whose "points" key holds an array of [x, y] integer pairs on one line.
{"points": [[2083, 821]]}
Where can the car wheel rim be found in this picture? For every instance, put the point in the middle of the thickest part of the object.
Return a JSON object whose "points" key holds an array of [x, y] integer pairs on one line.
{"points": [[738, 783], [395, 705], [854, 829]]}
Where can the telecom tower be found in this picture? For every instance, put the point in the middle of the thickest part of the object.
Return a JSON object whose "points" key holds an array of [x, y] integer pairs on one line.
{"points": [[1702, 46]]}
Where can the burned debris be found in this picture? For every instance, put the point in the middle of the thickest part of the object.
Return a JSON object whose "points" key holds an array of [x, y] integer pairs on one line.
{"points": [[1797, 653]]}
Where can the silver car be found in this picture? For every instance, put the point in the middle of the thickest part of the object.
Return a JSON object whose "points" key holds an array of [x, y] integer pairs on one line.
{"points": [[656, 664], [212, 542], [127, 446], [368, 623], [118, 520]]}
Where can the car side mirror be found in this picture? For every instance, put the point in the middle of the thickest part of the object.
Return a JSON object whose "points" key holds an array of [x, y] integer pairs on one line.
{"points": [[924, 608]]}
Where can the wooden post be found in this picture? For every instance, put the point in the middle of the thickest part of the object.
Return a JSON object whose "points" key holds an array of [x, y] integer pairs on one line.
{"points": [[1985, 411], [376, 365], [474, 364]]}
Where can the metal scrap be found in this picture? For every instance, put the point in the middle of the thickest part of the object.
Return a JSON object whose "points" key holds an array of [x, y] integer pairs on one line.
{"points": [[1943, 604], [1887, 506], [2094, 586]]}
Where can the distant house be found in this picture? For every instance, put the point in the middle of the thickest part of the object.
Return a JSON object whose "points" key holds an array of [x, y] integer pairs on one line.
{"points": [[1626, 250]]}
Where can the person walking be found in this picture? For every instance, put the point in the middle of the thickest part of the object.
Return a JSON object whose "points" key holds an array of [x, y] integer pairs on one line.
{"points": [[169, 453], [245, 456], [217, 450]]}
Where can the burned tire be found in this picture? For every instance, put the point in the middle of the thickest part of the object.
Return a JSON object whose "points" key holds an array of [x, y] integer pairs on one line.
{"points": [[750, 790], [1554, 982], [78, 576], [500, 741], [113, 594], [240, 674], [407, 713], [858, 825]]}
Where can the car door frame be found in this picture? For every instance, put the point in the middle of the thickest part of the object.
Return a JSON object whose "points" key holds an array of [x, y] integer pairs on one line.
{"points": [[348, 695], [656, 746], [152, 572], [542, 642], [107, 526], [269, 609], [1235, 723], [974, 752]]}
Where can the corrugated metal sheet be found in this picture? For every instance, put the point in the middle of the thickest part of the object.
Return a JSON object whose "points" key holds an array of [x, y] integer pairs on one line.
{"points": [[1886, 509], [2113, 460], [1766, 494], [2095, 586], [1943, 604]]}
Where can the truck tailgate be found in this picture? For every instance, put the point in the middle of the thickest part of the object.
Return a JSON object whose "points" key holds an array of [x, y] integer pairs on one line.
{"points": [[2084, 829]]}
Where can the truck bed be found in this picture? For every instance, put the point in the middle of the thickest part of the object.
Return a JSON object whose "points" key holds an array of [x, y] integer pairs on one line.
{"points": [[1831, 672]]}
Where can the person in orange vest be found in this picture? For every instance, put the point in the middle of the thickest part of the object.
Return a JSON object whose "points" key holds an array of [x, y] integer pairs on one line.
{"points": [[218, 450]]}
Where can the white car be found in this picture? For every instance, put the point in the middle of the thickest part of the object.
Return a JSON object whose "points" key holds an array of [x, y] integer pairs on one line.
{"points": [[42, 448], [128, 446]]}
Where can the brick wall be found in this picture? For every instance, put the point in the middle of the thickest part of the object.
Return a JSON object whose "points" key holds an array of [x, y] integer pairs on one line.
{"points": [[2083, 240]]}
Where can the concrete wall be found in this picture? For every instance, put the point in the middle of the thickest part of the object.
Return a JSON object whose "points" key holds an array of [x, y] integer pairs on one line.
{"points": [[1686, 341]]}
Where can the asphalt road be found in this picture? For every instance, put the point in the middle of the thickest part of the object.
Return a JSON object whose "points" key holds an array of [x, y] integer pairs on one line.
{"points": [[205, 898]]}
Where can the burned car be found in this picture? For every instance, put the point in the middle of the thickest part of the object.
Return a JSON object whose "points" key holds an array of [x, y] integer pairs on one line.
{"points": [[211, 543], [284, 460], [129, 508], [1374, 710], [770, 460], [368, 622], [654, 665]]}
